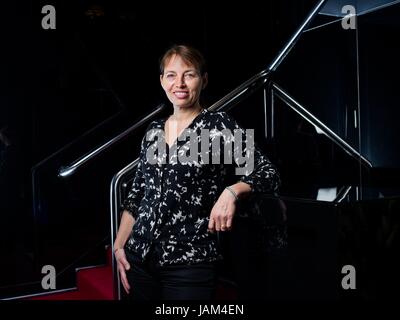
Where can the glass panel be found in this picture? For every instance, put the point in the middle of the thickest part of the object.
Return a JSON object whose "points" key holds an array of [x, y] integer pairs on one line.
{"points": [[311, 165], [379, 32], [321, 74], [322, 238], [334, 7], [302, 264]]}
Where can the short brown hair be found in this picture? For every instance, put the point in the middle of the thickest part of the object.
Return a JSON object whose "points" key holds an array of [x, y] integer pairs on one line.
{"points": [[188, 54]]}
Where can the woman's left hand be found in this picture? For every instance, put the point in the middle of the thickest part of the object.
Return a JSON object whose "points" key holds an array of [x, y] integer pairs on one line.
{"points": [[222, 213]]}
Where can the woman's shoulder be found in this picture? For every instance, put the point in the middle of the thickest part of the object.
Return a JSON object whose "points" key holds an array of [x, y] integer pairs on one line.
{"points": [[155, 124]]}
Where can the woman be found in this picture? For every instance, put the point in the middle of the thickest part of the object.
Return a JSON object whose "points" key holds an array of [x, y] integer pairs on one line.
{"points": [[166, 246]]}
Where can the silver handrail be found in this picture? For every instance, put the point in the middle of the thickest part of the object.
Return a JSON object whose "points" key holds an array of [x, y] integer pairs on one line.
{"points": [[236, 93], [69, 170], [309, 117], [290, 44], [264, 74], [342, 194], [114, 205]]}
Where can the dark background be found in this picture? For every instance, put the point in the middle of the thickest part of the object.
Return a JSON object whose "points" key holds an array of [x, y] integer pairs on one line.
{"points": [[64, 92]]}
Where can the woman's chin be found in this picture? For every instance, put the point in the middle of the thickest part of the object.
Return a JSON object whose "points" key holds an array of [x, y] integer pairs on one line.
{"points": [[183, 105]]}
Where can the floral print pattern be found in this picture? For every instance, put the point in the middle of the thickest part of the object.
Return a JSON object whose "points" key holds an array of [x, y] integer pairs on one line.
{"points": [[171, 201]]}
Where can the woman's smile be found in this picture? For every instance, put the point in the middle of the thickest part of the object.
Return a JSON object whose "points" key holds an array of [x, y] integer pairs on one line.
{"points": [[181, 94]]}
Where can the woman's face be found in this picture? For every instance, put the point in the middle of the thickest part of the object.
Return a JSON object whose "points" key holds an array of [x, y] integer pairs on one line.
{"points": [[182, 82]]}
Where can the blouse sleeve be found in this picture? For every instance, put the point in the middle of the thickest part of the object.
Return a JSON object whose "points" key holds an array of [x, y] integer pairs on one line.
{"points": [[137, 191], [259, 173]]}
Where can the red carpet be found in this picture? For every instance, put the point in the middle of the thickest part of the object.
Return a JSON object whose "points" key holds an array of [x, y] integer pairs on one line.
{"points": [[96, 284]]}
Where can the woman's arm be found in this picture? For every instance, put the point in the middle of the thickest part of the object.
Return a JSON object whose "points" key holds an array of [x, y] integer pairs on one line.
{"points": [[130, 207], [258, 173], [262, 178], [124, 231]]}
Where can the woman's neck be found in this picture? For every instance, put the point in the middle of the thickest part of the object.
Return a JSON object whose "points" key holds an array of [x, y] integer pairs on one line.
{"points": [[183, 114]]}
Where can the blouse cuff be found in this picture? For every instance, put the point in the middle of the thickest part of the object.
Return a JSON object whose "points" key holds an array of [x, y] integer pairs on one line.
{"points": [[130, 206]]}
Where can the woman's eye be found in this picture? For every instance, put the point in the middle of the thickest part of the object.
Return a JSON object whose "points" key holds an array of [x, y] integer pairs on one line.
{"points": [[170, 76], [190, 75]]}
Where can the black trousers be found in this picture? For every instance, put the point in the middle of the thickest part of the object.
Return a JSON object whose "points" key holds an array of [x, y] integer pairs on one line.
{"points": [[148, 281]]}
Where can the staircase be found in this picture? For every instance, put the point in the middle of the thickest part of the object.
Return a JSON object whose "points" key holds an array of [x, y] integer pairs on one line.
{"points": [[96, 283], [93, 283]]}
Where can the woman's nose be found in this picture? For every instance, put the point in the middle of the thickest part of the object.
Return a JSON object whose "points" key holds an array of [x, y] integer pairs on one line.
{"points": [[180, 81]]}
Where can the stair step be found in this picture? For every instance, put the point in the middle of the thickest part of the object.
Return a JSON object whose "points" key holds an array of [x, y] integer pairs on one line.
{"points": [[70, 295], [96, 283]]}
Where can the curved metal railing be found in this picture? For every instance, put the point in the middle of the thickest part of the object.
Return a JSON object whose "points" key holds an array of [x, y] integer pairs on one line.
{"points": [[75, 165]]}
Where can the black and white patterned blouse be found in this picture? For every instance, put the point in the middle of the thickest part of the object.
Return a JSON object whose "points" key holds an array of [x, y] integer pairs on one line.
{"points": [[172, 199]]}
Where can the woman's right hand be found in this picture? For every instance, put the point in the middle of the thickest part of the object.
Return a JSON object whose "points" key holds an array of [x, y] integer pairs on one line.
{"points": [[122, 265]]}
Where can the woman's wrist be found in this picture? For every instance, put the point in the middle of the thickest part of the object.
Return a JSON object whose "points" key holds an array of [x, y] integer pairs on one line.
{"points": [[240, 189], [117, 246], [233, 192], [117, 249]]}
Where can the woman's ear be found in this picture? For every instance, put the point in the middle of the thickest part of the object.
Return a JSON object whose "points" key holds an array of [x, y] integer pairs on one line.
{"points": [[161, 81], [205, 80]]}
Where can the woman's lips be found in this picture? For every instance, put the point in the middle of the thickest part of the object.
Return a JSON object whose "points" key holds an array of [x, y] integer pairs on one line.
{"points": [[181, 94]]}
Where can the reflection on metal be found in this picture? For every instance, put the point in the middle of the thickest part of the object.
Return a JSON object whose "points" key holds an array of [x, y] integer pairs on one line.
{"points": [[324, 25], [34, 295], [316, 122], [343, 192], [359, 102], [319, 131], [355, 119], [286, 49], [272, 114], [345, 123], [327, 194], [265, 113], [69, 170], [115, 201]]}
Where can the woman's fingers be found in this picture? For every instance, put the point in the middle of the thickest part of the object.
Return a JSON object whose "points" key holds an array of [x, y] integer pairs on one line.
{"points": [[226, 223], [125, 262], [125, 282], [211, 224], [220, 221], [123, 265], [124, 279]]}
